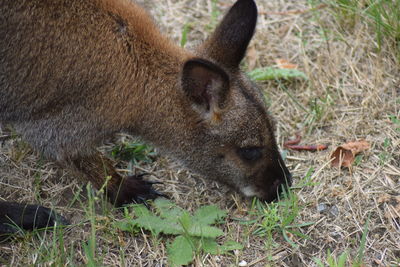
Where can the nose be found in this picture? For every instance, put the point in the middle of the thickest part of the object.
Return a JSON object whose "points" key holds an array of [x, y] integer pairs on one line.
{"points": [[281, 182]]}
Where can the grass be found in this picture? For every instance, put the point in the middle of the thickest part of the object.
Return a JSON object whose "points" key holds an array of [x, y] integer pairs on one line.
{"points": [[348, 50], [133, 151], [280, 217], [343, 258], [382, 15]]}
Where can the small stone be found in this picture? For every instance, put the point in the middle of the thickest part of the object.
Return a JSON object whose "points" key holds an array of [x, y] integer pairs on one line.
{"points": [[322, 207], [243, 263], [334, 211]]}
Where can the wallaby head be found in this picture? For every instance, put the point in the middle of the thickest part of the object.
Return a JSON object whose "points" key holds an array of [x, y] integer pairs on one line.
{"points": [[228, 134]]}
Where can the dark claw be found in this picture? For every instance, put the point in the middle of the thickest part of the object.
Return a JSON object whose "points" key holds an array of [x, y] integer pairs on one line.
{"points": [[142, 200], [140, 176], [135, 189], [154, 182], [60, 220], [158, 194]]}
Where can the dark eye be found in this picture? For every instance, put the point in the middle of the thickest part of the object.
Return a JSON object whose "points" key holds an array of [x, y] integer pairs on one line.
{"points": [[250, 153]]}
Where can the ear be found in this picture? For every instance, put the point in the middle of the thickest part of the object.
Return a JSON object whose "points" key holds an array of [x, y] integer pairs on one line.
{"points": [[228, 44], [207, 86]]}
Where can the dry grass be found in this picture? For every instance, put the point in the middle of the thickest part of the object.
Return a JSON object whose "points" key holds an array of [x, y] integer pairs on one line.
{"points": [[355, 88]]}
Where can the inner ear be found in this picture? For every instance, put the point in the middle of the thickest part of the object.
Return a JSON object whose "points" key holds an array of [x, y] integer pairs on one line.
{"points": [[205, 84]]}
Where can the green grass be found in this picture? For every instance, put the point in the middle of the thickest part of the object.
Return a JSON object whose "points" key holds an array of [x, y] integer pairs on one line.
{"points": [[280, 218], [382, 15], [343, 258], [89, 246], [395, 120], [385, 155], [319, 108], [186, 28], [133, 151]]}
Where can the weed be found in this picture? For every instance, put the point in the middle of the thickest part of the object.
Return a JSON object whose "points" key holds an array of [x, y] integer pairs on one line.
{"points": [[396, 121], [37, 182], [358, 159], [385, 17], [280, 217], [133, 151], [346, 12], [270, 73], [331, 260], [193, 233], [385, 156], [186, 28], [306, 180], [54, 252], [89, 247], [318, 110]]}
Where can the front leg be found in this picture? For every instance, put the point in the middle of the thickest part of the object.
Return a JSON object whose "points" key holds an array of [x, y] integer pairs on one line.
{"points": [[119, 190]]}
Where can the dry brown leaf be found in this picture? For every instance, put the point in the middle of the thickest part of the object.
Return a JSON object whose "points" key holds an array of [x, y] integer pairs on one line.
{"points": [[284, 64], [344, 155]]}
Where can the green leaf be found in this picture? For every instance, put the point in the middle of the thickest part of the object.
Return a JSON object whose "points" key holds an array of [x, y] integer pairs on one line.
{"points": [[209, 246], [186, 29], [269, 73], [208, 214], [342, 259], [157, 225], [180, 252], [140, 210], [126, 225], [229, 246], [168, 209], [185, 221], [318, 262], [361, 250], [204, 231]]}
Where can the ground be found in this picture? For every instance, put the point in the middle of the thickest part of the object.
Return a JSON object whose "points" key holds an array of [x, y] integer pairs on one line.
{"points": [[352, 93]]}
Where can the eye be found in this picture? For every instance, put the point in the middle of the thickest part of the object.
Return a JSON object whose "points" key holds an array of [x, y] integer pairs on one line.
{"points": [[250, 153]]}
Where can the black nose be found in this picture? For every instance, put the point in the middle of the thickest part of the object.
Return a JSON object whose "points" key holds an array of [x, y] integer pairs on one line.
{"points": [[281, 183]]}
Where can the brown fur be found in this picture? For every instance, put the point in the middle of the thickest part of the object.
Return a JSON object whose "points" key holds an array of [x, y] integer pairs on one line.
{"points": [[73, 73]]}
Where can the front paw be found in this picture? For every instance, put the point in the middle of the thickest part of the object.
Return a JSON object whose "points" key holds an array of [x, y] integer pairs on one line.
{"points": [[134, 189]]}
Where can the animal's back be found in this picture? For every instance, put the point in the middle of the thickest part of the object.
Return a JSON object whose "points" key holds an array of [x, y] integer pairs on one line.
{"points": [[69, 67], [63, 52]]}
